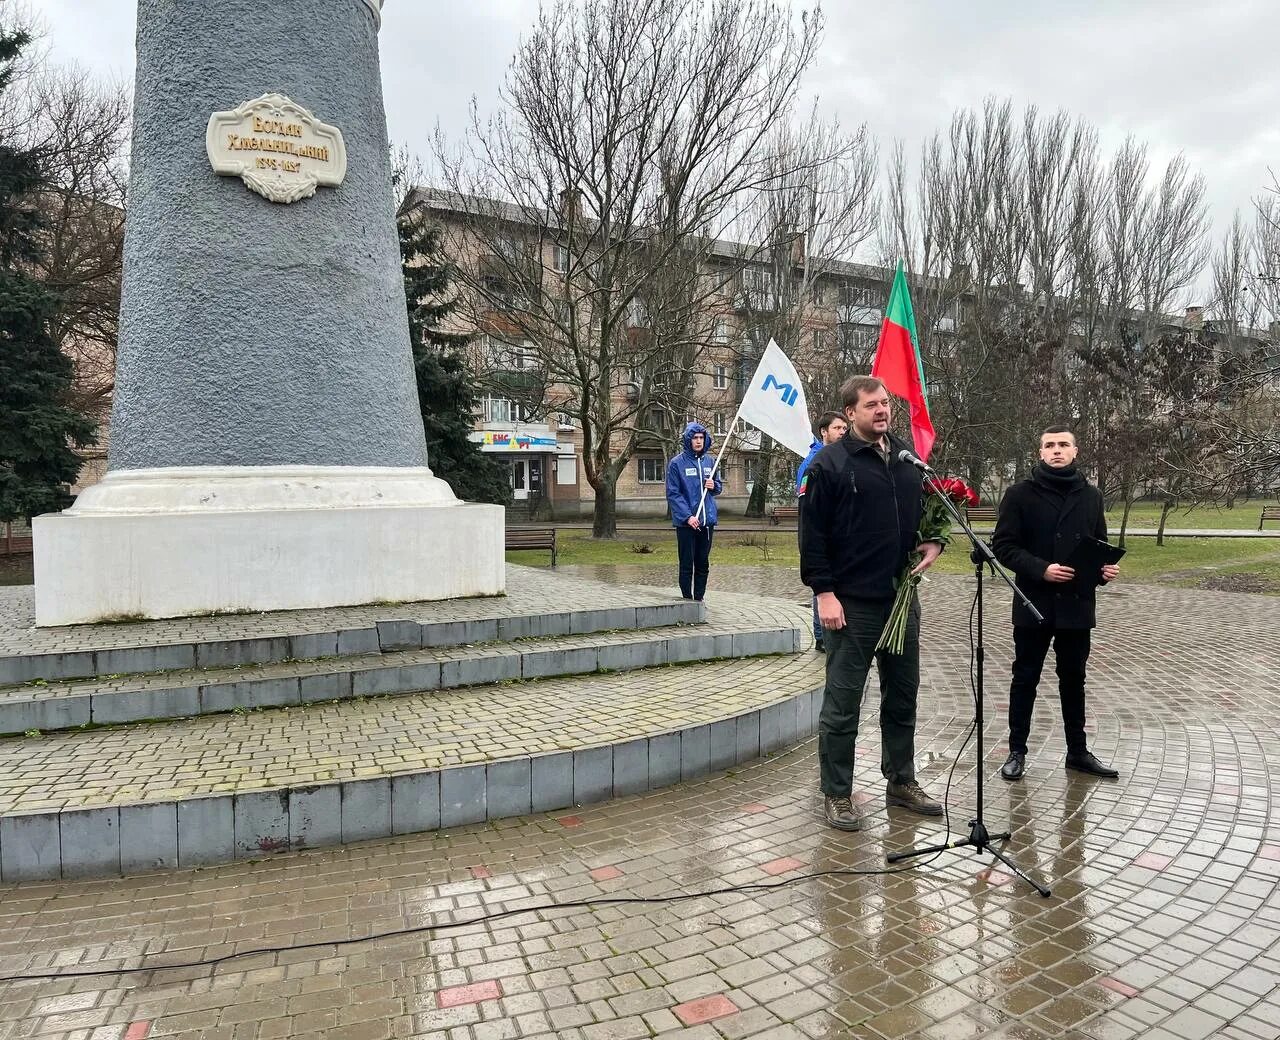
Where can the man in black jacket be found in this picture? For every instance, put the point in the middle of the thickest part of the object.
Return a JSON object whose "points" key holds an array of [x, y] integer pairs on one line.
{"points": [[859, 514], [1040, 522]]}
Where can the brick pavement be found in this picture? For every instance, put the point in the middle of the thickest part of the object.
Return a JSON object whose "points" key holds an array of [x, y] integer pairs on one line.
{"points": [[1164, 923]]}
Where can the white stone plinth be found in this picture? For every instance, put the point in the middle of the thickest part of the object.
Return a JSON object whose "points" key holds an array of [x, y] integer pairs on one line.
{"points": [[172, 543]]}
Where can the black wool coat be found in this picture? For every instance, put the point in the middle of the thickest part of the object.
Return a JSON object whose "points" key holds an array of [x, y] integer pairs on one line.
{"points": [[1036, 527]]}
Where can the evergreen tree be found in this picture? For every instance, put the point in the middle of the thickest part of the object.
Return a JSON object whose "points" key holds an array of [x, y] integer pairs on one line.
{"points": [[446, 383], [37, 429]]}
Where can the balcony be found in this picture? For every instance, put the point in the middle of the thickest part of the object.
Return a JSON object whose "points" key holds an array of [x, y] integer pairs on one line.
{"points": [[858, 314], [756, 301]]}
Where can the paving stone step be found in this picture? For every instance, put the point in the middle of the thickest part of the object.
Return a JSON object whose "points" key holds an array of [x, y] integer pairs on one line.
{"points": [[199, 691], [538, 603], [201, 790]]}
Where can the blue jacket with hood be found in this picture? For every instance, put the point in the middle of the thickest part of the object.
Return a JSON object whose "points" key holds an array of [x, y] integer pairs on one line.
{"points": [[685, 476]]}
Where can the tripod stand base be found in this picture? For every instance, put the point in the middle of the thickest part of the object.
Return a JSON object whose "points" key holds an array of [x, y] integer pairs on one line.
{"points": [[979, 840]]}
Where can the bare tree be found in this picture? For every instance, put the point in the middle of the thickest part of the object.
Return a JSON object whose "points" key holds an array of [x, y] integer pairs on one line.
{"points": [[79, 126], [630, 139], [986, 231], [801, 234], [1151, 246]]}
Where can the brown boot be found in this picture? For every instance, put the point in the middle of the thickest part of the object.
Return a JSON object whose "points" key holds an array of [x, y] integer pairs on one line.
{"points": [[841, 814], [911, 796]]}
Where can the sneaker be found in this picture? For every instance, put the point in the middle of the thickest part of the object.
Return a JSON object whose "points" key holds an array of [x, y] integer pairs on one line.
{"points": [[841, 814], [911, 796]]}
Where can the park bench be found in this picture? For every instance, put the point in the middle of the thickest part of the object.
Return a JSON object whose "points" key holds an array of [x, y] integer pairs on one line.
{"points": [[981, 514], [779, 513], [1268, 513], [532, 538]]}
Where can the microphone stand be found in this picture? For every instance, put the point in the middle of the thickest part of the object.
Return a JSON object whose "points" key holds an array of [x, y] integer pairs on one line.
{"points": [[979, 839]]}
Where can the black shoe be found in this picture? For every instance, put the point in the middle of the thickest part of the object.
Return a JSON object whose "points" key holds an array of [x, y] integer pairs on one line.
{"points": [[841, 814], [1086, 763], [1015, 765], [819, 646]]}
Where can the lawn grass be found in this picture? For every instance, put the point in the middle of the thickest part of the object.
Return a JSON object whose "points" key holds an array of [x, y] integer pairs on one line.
{"points": [[1178, 561], [1243, 516]]}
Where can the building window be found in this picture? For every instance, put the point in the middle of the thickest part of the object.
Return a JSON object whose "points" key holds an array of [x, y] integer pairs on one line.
{"points": [[720, 378], [750, 470], [722, 331], [498, 410], [565, 421], [559, 259], [757, 279], [862, 295], [649, 470], [717, 425]]}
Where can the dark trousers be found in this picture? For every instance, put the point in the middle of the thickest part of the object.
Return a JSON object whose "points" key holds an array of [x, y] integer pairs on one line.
{"points": [[849, 654], [1071, 651], [694, 550]]}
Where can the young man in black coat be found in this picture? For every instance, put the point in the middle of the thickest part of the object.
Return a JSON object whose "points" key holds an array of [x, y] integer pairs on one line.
{"points": [[1040, 521], [859, 517]]}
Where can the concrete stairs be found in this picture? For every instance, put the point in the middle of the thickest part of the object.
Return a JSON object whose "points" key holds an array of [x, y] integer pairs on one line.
{"points": [[256, 736]]}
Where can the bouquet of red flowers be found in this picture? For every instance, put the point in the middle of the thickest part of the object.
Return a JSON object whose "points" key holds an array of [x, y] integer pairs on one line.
{"points": [[935, 526]]}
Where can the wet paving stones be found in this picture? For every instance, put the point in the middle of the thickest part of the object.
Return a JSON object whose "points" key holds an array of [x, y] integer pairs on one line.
{"points": [[1164, 920]]}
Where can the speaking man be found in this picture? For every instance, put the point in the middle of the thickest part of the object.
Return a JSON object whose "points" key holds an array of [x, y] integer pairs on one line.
{"points": [[858, 521]]}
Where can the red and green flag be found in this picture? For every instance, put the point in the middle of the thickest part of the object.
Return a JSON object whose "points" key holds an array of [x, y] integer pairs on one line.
{"points": [[898, 363]]}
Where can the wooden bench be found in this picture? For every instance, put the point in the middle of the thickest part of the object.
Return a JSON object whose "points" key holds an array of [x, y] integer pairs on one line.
{"points": [[981, 514], [532, 538], [779, 513], [1268, 513]]}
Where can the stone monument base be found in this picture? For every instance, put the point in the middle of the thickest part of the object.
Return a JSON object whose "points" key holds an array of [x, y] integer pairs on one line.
{"points": [[177, 542]]}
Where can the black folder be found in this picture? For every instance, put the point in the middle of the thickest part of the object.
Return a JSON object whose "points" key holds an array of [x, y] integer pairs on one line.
{"points": [[1089, 555]]}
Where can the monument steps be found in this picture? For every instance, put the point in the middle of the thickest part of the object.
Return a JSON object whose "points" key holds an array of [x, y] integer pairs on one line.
{"points": [[101, 801], [400, 665]]}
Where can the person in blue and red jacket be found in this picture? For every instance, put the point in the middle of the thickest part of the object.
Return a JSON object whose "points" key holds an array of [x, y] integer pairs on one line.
{"points": [[831, 427], [693, 514]]}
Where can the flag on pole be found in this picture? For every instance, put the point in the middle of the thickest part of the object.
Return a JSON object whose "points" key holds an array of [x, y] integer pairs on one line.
{"points": [[775, 402], [898, 363]]}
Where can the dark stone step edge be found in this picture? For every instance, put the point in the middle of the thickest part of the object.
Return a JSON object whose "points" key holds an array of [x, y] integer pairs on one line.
{"points": [[110, 708], [115, 840], [383, 637]]}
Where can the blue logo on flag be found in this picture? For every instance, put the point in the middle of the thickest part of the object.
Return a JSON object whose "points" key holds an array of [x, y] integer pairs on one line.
{"points": [[786, 390]]}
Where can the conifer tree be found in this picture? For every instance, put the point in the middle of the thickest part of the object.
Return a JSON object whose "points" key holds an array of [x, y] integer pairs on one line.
{"points": [[446, 384], [37, 428]]}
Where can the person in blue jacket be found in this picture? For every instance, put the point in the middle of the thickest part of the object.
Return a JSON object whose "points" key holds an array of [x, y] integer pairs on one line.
{"points": [[688, 475], [831, 427]]}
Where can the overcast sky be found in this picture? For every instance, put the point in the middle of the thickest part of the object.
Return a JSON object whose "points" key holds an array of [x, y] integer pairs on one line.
{"points": [[1182, 75]]}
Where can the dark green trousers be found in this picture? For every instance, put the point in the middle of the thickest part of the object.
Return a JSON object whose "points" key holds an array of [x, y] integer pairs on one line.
{"points": [[850, 651]]}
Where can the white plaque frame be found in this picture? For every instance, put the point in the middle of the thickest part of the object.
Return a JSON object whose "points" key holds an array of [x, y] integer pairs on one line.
{"points": [[276, 185]]}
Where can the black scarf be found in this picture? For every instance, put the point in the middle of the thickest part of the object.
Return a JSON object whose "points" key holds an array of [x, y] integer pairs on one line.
{"points": [[1057, 481]]}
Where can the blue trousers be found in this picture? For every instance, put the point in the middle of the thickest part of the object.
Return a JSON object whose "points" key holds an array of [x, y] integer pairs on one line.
{"points": [[694, 551]]}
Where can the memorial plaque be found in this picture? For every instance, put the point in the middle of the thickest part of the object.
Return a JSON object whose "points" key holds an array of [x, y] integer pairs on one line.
{"points": [[278, 148]]}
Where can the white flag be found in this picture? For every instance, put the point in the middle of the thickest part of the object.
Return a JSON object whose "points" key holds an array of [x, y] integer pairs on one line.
{"points": [[775, 401]]}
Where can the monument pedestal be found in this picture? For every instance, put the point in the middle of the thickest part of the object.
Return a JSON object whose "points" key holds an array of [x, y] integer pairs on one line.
{"points": [[172, 542]]}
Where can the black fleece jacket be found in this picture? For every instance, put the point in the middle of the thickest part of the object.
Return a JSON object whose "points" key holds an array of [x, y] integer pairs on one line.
{"points": [[858, 519]]}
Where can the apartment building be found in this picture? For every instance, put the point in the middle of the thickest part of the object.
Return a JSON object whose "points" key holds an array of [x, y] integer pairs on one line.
{"points": [[522, 414]]}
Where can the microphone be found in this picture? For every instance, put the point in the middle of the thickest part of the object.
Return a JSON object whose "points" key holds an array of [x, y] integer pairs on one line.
{"points": [[905, 456]]}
